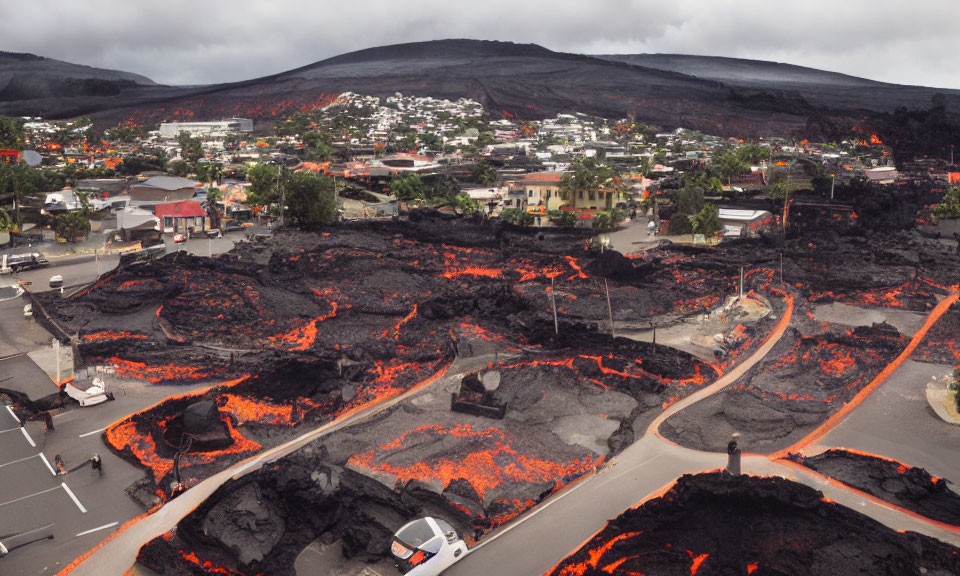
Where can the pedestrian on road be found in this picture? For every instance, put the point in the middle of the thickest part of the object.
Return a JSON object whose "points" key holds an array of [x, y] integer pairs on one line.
{"points": [[58, 462], [97, 463]]}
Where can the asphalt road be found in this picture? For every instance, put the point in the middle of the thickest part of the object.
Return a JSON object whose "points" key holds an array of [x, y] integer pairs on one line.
{"points": [[896, 421], [77, 437]]}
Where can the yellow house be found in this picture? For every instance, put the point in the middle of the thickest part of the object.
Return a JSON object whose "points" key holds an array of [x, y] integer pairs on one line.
{"points": [[538, 192]]}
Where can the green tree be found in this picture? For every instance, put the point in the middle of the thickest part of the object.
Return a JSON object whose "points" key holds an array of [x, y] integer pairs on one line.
{"points": [[689, 200], [191, 149], [310, 198], [949, 207], [731, 166], [483, 174], [706, 221], [563, 219], [586, 176], [516, 216], [317, 147], [679, 224], [407, 187], [432, 141], [16, 180], [464, 204], [776, 190], [11, 133], [483, 140], [263, 185], [73, 225], [753, 153]]}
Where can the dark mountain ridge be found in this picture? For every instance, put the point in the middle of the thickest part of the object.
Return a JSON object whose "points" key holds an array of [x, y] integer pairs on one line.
{"points": [[717, 95]]}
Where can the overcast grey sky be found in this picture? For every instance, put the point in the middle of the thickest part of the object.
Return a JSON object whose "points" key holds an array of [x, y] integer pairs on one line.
{"points": [[204, 41]]}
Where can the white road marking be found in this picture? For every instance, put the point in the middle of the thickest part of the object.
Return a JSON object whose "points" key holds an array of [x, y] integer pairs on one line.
{"points": [[73, 497], [30, 496], [20, 460], [47, 462], [92, 530], [29, 439], [84, 435], [10, 430], [10, 410]]}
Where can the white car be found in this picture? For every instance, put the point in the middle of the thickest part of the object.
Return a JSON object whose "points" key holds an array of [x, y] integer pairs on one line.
{"points": [[426, 547], [56, 281]]}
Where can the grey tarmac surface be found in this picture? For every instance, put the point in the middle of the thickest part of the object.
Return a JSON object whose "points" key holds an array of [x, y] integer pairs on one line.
{"points": [[896, 421], [77, 436]]}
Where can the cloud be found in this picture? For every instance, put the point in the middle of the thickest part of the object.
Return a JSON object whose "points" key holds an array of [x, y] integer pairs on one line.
{"points": [[196, 42]]}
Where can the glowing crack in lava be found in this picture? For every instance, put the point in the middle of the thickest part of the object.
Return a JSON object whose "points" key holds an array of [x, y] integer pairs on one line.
{"points": [[305, 335], [105, 335], [160, 373], [486, 461], [595, 555], [207, 566]]}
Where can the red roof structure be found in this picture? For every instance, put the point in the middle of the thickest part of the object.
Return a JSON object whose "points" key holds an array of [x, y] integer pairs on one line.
{"points": [[184, 209]]}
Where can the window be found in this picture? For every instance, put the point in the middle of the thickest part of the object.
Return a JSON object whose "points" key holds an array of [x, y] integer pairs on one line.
{"points": [[593, 195], [548, 194], [580, 195], [530, 193]]}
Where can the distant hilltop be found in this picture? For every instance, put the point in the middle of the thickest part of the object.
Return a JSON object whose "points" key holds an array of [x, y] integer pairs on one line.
{"points": [[723, 96]]}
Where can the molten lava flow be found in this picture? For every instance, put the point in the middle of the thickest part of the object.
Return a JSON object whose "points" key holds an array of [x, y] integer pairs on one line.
{"points": [[245, 409], [305, 336], [576, 268], [113, 335], [594, 555], [154, 374], [398, 325], [473, 271], [493, 463], [126, 436], [207, 566], [696, 561]]}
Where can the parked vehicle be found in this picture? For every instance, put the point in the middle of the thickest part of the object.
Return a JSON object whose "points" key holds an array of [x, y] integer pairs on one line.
{"points": [[56, 281], [17, 262], [426, 547]]}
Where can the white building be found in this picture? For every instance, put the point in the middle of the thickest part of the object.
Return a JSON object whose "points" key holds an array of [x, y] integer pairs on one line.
{"points": [[211, 128]]}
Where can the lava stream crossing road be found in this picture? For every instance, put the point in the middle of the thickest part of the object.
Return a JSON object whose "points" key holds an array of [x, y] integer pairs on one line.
{"points": [[542, 538], [536, 541], [119, 552]]}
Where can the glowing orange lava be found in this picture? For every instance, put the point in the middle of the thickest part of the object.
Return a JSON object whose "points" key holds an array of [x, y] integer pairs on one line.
{"points": [[154, 374], [485, 468], [112, 335]]}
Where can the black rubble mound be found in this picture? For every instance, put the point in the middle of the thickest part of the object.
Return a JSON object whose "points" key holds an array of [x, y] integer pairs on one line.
{"points": [[717, 524], [895, 482], [259, 523]]}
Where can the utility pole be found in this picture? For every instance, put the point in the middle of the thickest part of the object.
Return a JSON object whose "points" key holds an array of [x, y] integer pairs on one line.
{"points": [[609, 307], [553, 301], [833, 181], [741, 284]]}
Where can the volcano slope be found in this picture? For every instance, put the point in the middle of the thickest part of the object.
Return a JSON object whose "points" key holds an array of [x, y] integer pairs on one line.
{"points": [[720, 524], [890, 480], [818, 367]]}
